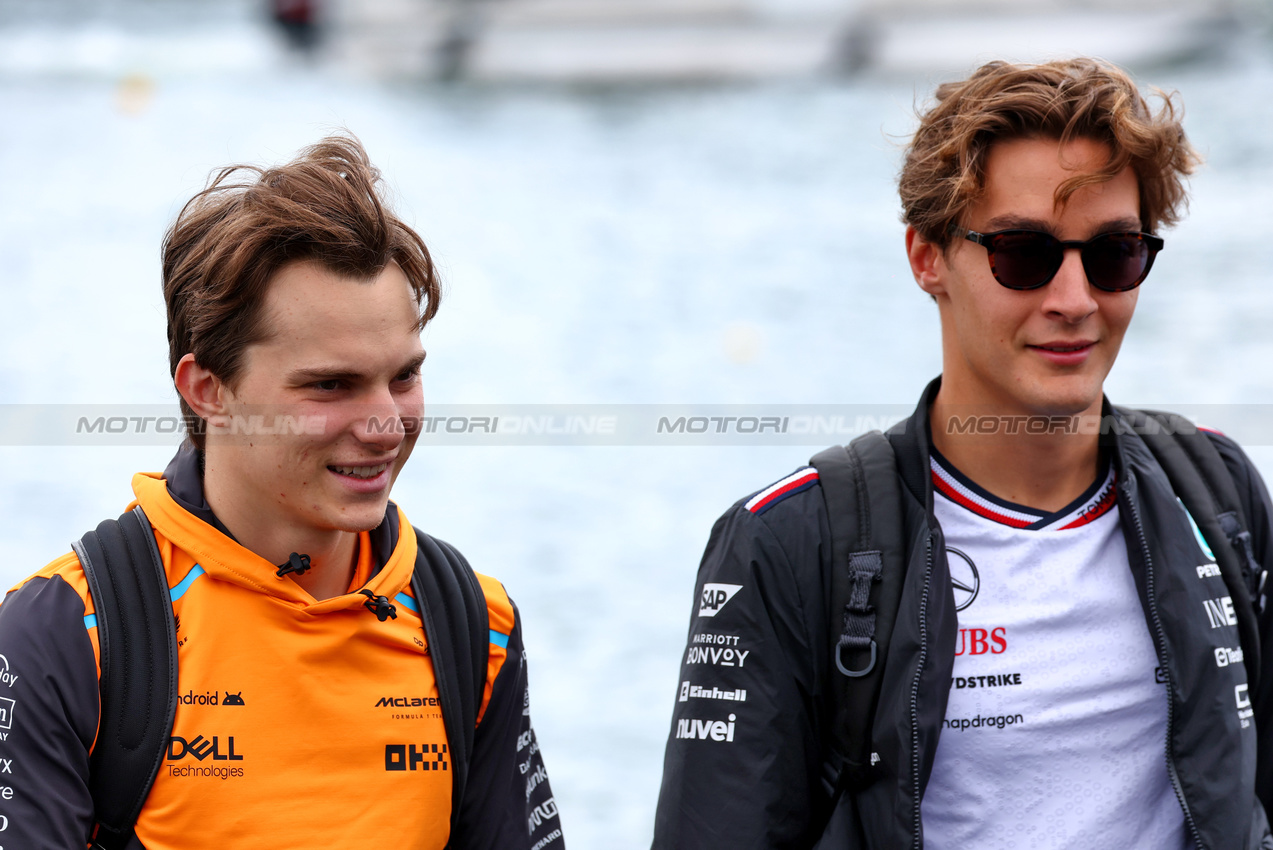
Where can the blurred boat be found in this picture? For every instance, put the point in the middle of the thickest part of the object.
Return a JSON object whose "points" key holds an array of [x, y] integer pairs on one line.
{"points": [[943, 37], [618, 41]]}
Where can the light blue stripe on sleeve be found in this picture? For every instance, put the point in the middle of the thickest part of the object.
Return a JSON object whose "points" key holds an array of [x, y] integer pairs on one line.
{"points": [[407, 602], [90, 622], [500, 640], [184, 585]]}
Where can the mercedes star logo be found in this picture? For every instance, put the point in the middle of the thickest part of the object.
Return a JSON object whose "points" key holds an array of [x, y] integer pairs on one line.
{"points": [[963, 578]]}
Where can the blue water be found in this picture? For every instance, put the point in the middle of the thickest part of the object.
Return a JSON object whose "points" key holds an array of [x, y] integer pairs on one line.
{"points": [[688, 245]]}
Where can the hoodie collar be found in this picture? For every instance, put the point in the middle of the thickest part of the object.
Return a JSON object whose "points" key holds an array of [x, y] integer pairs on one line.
{"points": [[177, 508]]}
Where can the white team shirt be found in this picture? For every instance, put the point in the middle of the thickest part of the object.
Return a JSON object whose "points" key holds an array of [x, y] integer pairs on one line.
{"points": [[1055, 733]]}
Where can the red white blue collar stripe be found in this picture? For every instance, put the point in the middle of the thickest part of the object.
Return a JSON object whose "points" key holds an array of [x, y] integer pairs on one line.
{"points": [[796, 482], [1092, 505]]}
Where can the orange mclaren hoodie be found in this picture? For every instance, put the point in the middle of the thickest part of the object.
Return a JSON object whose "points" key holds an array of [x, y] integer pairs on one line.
{"points": [[300, 723]]}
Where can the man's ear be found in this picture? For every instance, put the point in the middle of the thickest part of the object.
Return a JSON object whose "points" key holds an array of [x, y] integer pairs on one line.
{"points": [[206, 394], [928, 263]]}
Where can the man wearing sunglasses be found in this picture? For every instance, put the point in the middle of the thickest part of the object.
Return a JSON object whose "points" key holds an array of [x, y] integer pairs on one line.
{"points": [[1065, 666]]}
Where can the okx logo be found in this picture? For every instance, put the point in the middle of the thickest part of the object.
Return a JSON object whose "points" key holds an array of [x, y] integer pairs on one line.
{"points": [[201, 748], [411, 757], [715, 597]]}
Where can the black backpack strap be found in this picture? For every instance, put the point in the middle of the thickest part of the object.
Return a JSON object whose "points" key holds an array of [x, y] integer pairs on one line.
{"points": [[457, 629], [864, 508], [1205, 486], [138, 652]]}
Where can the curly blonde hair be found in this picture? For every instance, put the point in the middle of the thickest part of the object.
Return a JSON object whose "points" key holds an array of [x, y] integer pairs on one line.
{"points": [[944, 169]]}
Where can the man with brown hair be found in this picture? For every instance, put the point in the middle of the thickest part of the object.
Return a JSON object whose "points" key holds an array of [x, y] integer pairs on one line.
{"points": [[1049, 633], [309, 707]]}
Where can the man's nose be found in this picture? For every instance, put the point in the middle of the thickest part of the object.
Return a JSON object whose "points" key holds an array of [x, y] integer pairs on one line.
{"points": [[1069, 294]]}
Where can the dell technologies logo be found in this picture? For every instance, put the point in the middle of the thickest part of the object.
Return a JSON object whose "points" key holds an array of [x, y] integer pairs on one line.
{"points": [[200, 748]]}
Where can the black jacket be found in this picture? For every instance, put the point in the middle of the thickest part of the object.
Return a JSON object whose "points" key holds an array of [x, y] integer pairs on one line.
{"points": [[749, 772]]}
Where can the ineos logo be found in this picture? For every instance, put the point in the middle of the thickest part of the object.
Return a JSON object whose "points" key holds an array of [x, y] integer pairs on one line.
{"points": [[964, 578]]}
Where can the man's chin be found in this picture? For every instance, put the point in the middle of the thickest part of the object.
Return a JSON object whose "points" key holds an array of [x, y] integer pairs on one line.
{"points": [[366, 518], [1066, 398]]}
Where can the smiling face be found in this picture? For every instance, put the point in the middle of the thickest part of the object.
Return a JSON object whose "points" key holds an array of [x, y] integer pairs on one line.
{"points": [[342, 358], [1044, 351]]}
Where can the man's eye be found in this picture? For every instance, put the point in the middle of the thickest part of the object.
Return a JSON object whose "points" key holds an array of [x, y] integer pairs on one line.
{"points": [[326, 386], [407, 375]]}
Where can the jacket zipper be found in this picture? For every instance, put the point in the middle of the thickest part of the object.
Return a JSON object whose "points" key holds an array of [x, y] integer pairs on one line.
{"points": [[1161, 645], [917, 841]]}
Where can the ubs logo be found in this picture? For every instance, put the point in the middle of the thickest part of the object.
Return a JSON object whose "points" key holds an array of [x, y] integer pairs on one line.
{"points": [[964, 578]]}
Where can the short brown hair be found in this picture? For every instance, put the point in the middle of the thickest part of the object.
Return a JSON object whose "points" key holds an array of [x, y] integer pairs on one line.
{"points": [[231, 238], [944, 170]]}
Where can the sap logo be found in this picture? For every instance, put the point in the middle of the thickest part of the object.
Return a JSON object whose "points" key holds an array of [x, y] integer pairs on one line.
{"points": [[7, 677], [714, 598], [716, 730], [1226, 656], [689, 692], [233, 699], [980, 641], [1220, 612], [1243, 698], [407, 757], [716, 655], [546, 810], [201, 748], [1208, 570], [406, 702]]}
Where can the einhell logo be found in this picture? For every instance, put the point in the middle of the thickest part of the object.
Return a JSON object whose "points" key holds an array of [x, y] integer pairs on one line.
{"points": [[409, 757], [201, 748]]}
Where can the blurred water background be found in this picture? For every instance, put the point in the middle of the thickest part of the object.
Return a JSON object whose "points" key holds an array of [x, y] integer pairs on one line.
{"points": [[686, 243]]}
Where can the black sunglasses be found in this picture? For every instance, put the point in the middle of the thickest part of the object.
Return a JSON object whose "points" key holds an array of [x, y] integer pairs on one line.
{"points": [[1028, 259]]}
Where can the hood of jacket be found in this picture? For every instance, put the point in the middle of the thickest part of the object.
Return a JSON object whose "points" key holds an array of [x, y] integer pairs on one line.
{"points": [[175, 505]]}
